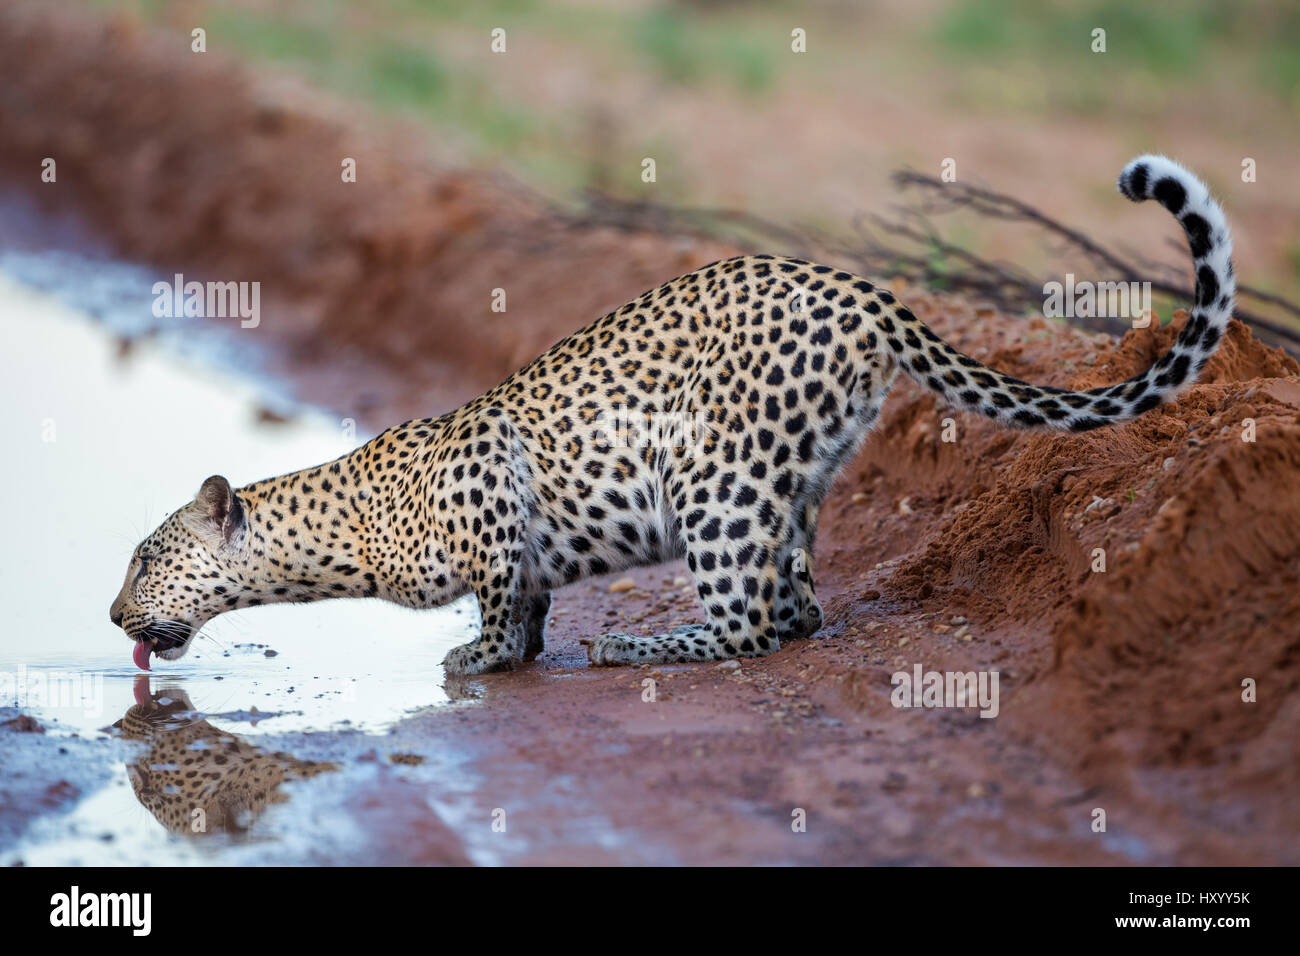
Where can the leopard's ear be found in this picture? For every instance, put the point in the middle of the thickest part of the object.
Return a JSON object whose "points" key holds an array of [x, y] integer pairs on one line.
{"points": [[220, 508]]}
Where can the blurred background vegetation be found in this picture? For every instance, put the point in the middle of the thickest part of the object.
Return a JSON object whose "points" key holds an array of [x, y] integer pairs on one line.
{"points": [[1009, 89]]}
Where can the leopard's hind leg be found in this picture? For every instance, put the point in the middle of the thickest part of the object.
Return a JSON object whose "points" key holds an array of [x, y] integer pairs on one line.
{"points": [[798, 612], [536, 607], [732, 551]]}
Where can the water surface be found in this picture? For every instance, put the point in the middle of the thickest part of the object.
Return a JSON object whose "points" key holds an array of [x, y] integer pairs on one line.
{"points": [[105, 445], [107, 433]]}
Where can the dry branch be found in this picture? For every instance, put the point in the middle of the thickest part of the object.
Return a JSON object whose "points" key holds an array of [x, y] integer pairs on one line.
{"points": [[908, 244]]}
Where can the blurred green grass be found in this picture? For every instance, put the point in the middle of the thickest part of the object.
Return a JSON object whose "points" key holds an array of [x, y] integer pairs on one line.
{"points": [[272, 38], [1167, 40], [411, 56], [683, 53], [1160, 46], [993, 56]]}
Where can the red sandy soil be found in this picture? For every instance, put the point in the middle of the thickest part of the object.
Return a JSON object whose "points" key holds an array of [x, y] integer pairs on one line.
{"points": [[1120, 690]]}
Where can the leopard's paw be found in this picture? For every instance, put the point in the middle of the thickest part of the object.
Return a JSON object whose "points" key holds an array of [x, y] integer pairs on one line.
{"points": [[468, 659], [613, 650]]}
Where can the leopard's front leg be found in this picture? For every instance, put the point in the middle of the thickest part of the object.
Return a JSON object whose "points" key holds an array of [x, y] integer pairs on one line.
{"points": [[501, 643], [488, 530]]}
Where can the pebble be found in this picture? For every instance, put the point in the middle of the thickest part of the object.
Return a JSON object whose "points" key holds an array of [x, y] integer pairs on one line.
{"points": [[621, 585]]}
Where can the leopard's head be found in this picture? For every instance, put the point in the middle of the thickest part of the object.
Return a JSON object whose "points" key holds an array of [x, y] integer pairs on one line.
{"points": [[191, 568]]}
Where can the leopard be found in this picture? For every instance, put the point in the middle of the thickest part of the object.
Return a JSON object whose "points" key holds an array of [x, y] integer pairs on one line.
{"points": [[196, 779], [704, 420]]}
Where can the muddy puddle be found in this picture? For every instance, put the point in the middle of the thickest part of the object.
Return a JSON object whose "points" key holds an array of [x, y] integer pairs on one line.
{"points": [[111, 431]]}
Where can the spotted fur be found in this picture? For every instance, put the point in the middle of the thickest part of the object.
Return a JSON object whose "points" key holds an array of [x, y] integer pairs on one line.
{"points": [[774, 369], [197, 779]]}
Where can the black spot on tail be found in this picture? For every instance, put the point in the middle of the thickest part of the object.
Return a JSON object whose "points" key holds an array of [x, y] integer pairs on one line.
{"points": [[1170, 193], [1207, 285], [1135, 186], [1146, 403], [1178, 373], [1198, 235], [1087, 424]]}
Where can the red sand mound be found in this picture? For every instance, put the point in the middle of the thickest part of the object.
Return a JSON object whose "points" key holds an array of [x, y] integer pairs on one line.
{"points": [[1121, 688], [1199, 531]]}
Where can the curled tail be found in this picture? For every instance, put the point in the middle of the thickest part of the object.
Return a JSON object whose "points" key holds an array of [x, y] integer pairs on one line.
{"points": [[964, 382]]}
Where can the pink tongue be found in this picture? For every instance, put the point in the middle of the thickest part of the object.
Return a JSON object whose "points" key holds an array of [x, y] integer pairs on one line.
{"points": [[141, 654]]}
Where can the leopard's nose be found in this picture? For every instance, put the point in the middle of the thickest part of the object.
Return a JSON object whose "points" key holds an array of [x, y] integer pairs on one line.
{"points": [[115, 616]]}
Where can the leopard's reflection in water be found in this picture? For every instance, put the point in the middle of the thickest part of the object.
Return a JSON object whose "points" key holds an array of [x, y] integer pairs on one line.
{"points": [[197, 779]]}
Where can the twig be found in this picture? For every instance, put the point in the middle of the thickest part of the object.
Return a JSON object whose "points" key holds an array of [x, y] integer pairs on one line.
{"points": [[995, 205], [915, 249]]}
